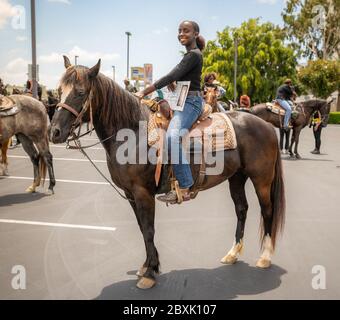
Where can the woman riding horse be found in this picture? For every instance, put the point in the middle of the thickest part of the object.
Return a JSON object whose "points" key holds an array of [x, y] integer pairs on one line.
{"points": [[189, 69]]}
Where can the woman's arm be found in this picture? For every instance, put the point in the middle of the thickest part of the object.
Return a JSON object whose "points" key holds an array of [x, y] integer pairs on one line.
{"points": [[188, 62]]}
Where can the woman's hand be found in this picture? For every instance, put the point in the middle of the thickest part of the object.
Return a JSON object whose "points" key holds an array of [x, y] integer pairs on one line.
{"points": [[172, 87], [140, 95]]}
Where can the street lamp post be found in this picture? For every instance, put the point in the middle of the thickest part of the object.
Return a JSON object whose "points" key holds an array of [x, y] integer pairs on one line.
{"points": [[114, 73], [128, 52], [235, 70], [34, 52], [76, 60]]}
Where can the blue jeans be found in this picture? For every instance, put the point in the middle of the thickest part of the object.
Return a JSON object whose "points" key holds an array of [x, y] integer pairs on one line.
{"points": [[285, 105], [181, 122]]}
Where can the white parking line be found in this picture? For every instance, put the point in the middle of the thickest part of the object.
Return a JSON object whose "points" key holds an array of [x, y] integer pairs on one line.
{"points": [[57, 225], [61, 159], [58, 180]]}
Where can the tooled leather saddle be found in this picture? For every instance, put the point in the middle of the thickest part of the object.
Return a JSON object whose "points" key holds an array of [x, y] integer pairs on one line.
{"points": [[208, 129]]}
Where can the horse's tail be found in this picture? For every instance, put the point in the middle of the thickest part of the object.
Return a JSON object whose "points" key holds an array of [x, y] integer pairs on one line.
{"points": [[278, 200], [42, 169]]}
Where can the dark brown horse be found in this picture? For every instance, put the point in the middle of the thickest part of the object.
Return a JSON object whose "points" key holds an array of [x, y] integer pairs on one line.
{"points": [[306, 109], [30, 125], [257, 157]]}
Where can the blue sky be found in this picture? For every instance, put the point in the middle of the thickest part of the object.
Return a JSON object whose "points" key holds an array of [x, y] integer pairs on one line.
{"points": [[96, 29]]}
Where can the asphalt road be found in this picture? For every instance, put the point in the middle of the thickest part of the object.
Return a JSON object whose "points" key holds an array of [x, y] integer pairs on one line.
{"points": [[71, 258]]}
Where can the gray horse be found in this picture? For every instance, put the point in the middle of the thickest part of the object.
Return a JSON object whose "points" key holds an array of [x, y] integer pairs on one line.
{"points": [[30, 124]]}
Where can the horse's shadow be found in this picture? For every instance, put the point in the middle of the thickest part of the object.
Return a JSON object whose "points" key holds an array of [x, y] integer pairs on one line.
{"points": [[226, 282], [288, 158], [20, 198]]}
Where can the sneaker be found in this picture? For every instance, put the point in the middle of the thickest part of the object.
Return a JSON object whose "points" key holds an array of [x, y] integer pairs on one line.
{"points": [[315, 151], [169, 197]]}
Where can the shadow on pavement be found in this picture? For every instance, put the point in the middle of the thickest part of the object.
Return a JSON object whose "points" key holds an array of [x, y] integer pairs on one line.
{"points": [[12, 199], [226, 282], [306, 159]]}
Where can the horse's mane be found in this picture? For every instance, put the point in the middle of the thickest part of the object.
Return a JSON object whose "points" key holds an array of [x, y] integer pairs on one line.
{"points": [[117, 108], [314, 103]]}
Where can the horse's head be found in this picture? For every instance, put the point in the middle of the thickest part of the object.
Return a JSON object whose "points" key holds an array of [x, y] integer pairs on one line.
{"points": [[324, 106], [210, 96], [325, 110], [75, 90]]}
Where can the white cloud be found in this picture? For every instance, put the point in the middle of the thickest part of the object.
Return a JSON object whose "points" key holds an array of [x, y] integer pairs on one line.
{"points": [[17, 65], [61, 1], [15, 72], [6, 11], [267, 1], [84, 56], [21, 38], [160, 31]]}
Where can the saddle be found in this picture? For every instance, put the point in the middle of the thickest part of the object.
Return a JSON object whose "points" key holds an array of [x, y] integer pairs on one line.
{"points": [[211, 129], [7, 108], [275, 108]]}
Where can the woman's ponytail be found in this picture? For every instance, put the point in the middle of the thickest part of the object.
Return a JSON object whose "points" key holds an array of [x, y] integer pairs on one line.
{"points": [[200, 41]]}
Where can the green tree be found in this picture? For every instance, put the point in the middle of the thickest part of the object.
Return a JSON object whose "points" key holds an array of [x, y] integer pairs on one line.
{"points": [[321, 77], [263, 60], [313, 26]]}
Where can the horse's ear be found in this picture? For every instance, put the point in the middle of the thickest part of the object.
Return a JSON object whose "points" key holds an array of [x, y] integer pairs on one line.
{"points": [[93, 72], [67, 62]]}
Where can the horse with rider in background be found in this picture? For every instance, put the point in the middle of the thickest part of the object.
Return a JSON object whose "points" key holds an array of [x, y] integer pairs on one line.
{"points": [[274, 114]]}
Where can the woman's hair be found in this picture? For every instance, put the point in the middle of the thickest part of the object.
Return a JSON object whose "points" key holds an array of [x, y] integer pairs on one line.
{"points": [[200, 41], [211, 74]]}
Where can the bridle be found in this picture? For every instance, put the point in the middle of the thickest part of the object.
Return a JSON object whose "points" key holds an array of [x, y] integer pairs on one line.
{"points": [[76, 137], [79, 115]]}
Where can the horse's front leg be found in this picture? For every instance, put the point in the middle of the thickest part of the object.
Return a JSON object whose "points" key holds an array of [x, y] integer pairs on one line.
{"points": [[297, 138], [292, 143], [144, 208]]}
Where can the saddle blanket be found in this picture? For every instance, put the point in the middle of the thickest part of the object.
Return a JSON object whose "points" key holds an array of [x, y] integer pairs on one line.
{"points": [[217, 132], [275, 108]]}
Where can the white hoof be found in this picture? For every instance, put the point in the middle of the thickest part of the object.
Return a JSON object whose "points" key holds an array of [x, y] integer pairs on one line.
{"points": [[31, 189], [49, 192], [229, 259], [145, 283], [263, 263]]}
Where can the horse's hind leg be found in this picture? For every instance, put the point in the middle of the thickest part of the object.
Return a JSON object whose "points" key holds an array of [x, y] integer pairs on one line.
{"points": [[263, 191], [47, 157], [28, 146], [236, 185]]}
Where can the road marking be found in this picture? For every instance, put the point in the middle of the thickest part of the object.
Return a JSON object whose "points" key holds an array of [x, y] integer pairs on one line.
{"points": [[61, 159], [57, 225], [58, 180]]}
